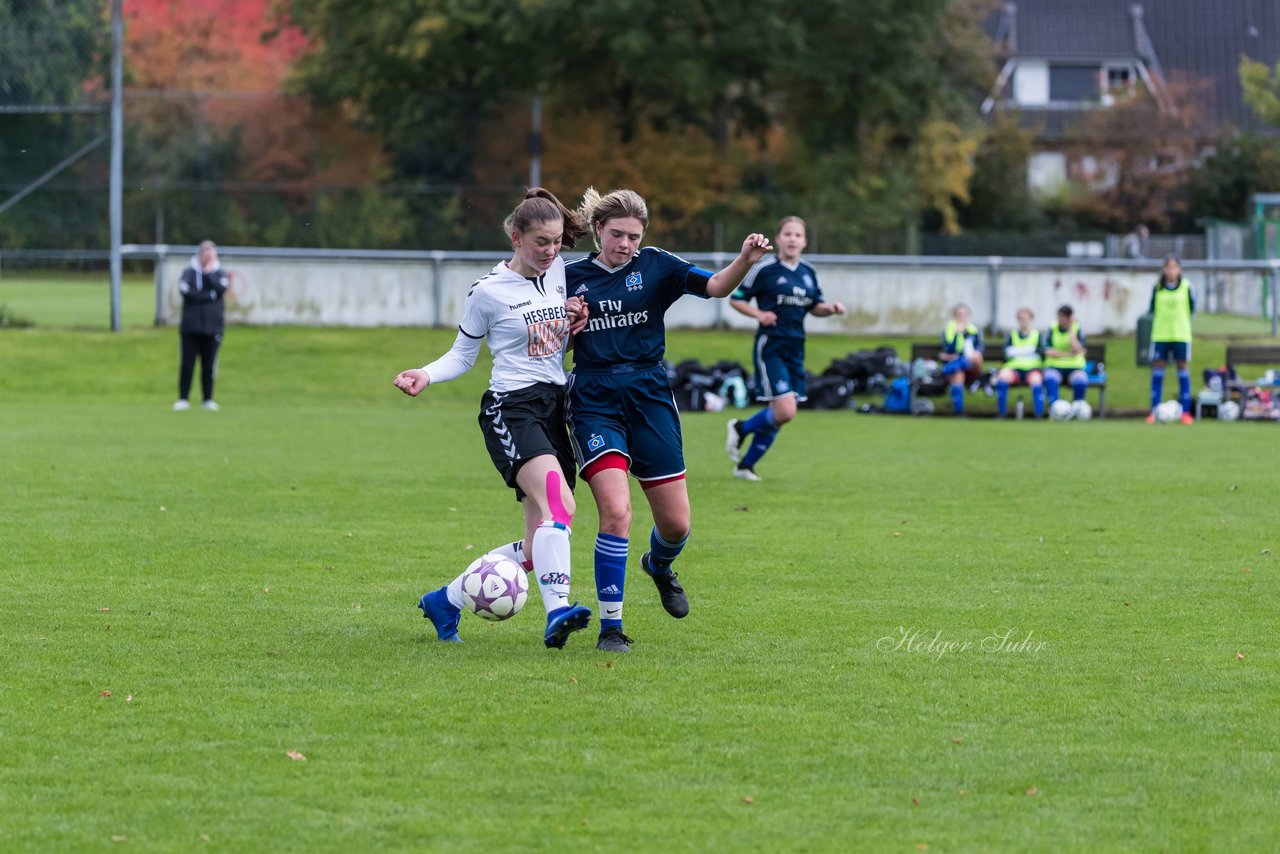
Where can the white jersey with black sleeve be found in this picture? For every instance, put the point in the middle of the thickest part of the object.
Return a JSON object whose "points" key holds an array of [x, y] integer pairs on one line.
{"points": [[523, 321]]}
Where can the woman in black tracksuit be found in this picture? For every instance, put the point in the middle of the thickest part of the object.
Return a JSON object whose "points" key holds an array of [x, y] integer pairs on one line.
{"points": [[203, 287]]}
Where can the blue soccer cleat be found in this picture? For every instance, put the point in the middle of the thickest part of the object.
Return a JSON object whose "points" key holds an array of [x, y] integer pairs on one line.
{"points": [[436, 608], [563, 622]]}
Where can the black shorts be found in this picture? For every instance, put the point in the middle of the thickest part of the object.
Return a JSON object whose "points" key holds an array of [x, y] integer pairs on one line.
{"points": [[526, 423]]}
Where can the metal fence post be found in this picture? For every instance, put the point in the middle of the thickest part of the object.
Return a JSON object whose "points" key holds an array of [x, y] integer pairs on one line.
{"points": [[158, 274], [1275, 268], [437, 286], [993, 282]]}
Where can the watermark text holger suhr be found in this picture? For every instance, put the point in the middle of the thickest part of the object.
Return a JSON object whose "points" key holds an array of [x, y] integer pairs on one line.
{"points": [[1005, 640]]}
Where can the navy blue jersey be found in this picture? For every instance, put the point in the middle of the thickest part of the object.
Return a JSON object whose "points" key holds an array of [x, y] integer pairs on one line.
{"points": [[789, 292], [627, 306]]}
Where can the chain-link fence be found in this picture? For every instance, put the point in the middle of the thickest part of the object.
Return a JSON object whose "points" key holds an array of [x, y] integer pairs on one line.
{"points": [[54, 122]]}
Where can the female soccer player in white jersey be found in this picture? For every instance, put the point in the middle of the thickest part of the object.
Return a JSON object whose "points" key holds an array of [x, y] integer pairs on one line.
{"points": [[621, 414], [519, 309]]}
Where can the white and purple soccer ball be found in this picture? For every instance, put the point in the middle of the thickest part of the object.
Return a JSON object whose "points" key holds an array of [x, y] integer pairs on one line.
{"points": [[1081, 410], [494, 587]]}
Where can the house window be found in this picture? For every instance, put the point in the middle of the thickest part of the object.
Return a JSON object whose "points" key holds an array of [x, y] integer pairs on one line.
{"points": [[1118, 76], [1073, 83], [1031, 82]]}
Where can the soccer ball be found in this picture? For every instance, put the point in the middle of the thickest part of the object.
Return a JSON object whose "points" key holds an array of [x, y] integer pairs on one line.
{"points": [[1168, 412], [1229, 411], [1081, 410], [1060, 410], [494, 587]]}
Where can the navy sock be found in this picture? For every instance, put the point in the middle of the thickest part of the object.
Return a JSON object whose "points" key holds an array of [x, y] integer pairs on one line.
{"points": [[957, 399], [760, 421], [1078, 389], [760, 443], [1157, 386], [611, 577], [1037, 399], [662, 553], [1184, 389], [1002, 397]]}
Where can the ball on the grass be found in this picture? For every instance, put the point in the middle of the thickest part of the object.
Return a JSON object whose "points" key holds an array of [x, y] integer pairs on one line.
{"points": [[1168, 412], [1060, 410], [1229, 411], [1081, 410], [494, 587]]}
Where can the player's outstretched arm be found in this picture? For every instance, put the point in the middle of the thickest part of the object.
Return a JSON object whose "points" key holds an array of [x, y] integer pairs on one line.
{"points": [[413, 381], [754, 247]]}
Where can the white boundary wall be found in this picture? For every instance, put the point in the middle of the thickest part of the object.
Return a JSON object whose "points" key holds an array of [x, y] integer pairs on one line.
{"points": [[888, 296]]}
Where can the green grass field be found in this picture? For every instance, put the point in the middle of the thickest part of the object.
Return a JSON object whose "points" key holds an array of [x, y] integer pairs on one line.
{"points": [[915, 634]]}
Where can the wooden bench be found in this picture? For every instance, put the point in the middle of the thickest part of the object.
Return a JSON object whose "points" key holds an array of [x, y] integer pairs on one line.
{"points": [[1247, 354], [1094, 352]]}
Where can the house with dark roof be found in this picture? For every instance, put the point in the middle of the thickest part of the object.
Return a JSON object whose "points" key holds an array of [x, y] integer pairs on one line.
{"points": [[1062, 59]]}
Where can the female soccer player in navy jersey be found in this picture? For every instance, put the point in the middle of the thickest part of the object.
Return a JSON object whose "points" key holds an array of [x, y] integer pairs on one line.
{"points": [[622, 417], [785, 289], [520, 310]]}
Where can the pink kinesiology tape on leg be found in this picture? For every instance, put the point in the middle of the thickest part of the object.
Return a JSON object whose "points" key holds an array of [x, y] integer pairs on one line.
{"points": [[558, 512]]}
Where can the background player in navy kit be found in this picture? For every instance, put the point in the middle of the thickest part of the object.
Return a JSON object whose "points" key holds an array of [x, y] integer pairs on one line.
{"points": [[621, 414], [785, 289], [520, 310]]}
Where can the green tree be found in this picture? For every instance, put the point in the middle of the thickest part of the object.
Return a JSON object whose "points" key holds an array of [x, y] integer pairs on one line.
{"points": [[1241, 164], [1261, 89], [873, 89], [1000, 198]]}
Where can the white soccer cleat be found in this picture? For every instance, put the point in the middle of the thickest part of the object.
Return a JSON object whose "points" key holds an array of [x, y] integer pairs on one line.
{"points": [[181, 405], [210, 405], [733, 440], [745, 474]]}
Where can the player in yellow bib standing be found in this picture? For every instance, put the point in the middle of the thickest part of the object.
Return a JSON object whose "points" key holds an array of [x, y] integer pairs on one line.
{"points": [[1172, 304]]}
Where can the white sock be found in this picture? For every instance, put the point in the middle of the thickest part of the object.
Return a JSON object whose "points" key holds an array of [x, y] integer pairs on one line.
{"points": [[454, 592], [515, 551], [551, 564]]}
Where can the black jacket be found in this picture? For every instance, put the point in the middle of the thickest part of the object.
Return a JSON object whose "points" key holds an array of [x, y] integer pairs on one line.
{"points": [[202, 299]]}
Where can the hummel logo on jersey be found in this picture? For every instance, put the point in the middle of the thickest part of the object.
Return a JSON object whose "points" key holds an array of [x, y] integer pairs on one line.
{"points": [[635, 281], [611, 590], [582, 289]]}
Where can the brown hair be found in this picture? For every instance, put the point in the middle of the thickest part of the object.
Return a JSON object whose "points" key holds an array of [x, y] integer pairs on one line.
{"points": [[616, 204], [541, 205], [786, 219]]}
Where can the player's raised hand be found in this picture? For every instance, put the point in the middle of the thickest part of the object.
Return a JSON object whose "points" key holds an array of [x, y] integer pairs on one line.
{"points": [[578, 313], [755, 247], [413, 381]]}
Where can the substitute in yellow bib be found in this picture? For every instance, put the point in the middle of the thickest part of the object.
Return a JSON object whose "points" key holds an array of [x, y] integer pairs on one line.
{"points": [[1172, 305], [1023, 359]]}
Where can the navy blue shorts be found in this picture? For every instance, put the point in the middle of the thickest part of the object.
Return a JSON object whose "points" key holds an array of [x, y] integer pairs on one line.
{"points": [[630, 412], [779, 367], [1064, 374], [1021, 374], [1170, 351]]}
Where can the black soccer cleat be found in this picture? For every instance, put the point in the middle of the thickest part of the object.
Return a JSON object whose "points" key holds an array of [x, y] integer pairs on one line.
{"points": [[668, 584], [613, 640]]}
